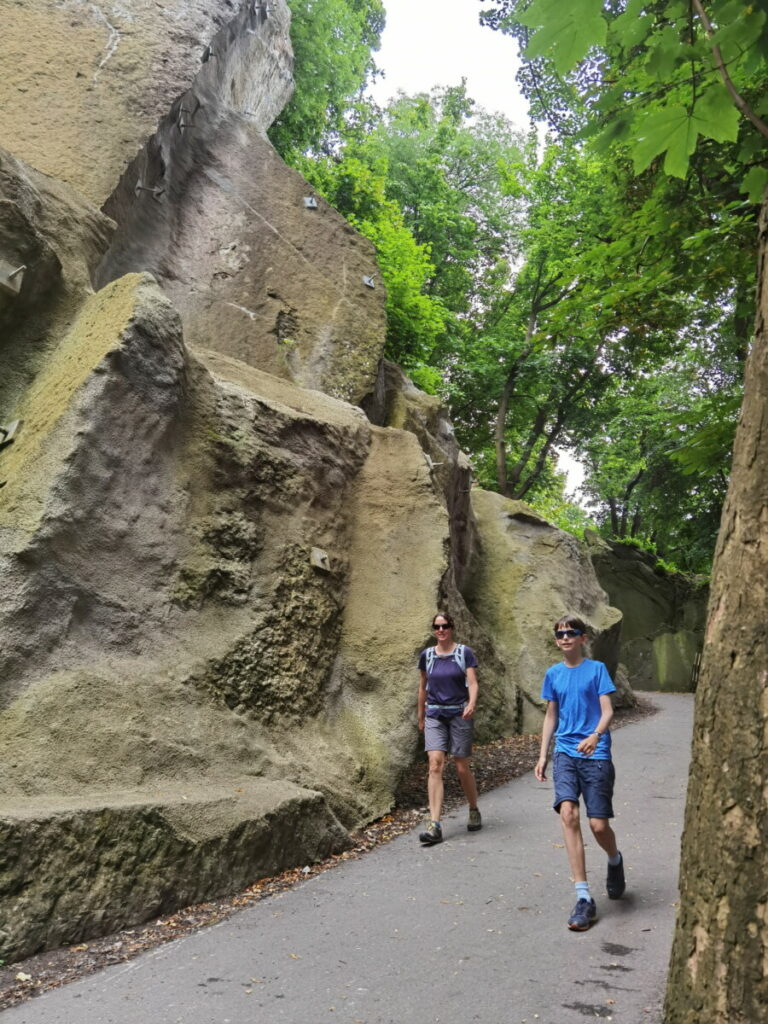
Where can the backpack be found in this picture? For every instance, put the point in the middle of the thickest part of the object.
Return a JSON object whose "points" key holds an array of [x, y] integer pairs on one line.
{"points": [[458, 656]]}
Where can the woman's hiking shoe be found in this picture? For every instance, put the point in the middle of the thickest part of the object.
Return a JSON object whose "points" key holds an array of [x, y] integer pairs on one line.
{"points": [[615, 883], [584, 914], [475, 822], [432, 834]]}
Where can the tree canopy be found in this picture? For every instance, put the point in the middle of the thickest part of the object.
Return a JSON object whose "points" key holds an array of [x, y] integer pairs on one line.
{"points": [[590, 293]]}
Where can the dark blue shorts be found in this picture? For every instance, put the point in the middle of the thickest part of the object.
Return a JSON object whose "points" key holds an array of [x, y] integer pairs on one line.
{"points": [[587, 777]]}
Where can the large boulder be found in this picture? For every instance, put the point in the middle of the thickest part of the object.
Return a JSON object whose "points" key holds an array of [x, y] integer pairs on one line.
{"points": [[529, 574], [664, 615], [206, 575]]}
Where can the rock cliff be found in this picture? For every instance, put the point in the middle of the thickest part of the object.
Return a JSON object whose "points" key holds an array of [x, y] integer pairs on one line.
{"points": [[664, 615], [225, 520]]}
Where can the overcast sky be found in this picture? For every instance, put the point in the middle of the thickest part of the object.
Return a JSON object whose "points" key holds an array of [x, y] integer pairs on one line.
{"points": [[437, 42]]}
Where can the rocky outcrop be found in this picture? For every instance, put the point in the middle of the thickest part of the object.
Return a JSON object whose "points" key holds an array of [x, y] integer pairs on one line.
{"points": [[664, 615], [529, 573], [86, 84], [100, 865], [196, 553]]}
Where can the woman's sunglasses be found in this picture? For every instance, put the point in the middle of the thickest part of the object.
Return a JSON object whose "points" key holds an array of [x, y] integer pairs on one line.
{"points": [[561, 634], [441, 625]]}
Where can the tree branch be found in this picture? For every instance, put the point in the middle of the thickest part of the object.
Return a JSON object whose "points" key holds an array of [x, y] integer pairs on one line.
{"points": [[739, 102]]}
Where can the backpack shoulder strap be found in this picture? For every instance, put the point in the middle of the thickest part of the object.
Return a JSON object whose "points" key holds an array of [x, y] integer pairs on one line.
{"points": [[430, 659], [460, 657]]}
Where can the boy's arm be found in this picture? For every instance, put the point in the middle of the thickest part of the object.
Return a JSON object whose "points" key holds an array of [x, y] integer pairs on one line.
{"points": [[547, 732], [422, 698], [589, 745], [469, 710]]}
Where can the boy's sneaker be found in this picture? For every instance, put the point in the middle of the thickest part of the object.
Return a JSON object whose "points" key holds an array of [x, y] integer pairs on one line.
{"points": [[615, 883], [432, 834], [584, 914], [475, 822]]}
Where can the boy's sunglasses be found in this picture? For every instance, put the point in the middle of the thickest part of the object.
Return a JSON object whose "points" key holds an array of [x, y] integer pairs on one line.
{"points": [[441, 625], [561, 634]]}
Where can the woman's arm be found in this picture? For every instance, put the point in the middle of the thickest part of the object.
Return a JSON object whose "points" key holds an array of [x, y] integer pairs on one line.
{"points": [[422, 698], [469, 710]]}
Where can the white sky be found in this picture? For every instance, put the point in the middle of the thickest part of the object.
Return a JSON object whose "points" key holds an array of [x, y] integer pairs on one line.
{"points": [[437, 42]]}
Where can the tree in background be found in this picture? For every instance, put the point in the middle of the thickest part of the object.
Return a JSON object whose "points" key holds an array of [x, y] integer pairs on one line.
{"points": [[333, 46], [685, 242], [659, 79]]}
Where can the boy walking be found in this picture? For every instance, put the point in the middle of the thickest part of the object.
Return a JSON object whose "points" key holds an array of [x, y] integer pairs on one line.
{"points": [[579, 712]]}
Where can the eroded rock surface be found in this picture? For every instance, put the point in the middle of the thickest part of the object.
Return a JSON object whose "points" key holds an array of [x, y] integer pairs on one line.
{"points": [[529, 574], [86, 84], [206, 568], [664, 616]]}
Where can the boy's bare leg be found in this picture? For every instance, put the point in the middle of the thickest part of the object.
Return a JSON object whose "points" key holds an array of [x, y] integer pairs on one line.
{"points": [[574, 843], [604, 834], [467, 780], [435, 787]]}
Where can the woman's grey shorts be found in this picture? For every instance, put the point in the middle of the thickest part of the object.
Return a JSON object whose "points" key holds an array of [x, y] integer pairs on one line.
{"points": [[453, 735]]}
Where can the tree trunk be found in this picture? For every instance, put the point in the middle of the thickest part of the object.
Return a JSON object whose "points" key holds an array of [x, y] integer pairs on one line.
{"points": [[720, 951]]}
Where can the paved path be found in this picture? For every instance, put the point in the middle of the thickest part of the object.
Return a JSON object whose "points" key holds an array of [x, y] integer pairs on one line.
{"points": [[473, 930]]}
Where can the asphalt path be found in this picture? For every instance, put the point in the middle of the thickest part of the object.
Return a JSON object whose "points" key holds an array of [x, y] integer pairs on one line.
{"points": [[471, 930]]}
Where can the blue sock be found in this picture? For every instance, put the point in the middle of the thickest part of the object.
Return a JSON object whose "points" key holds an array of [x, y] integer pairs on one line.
{"points": [[613, 861], [582, 891]]}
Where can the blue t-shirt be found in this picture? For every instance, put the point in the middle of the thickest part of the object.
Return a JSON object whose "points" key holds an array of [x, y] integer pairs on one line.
{"points": [[577, 692], [446, 683]]}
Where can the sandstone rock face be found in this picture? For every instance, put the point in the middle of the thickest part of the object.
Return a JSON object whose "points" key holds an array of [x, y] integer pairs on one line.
{"points": [[88, 83], [256, 273], [51, 240], [529, 574], [101, 866], [396, 402], [664, 616], [195, 554]]}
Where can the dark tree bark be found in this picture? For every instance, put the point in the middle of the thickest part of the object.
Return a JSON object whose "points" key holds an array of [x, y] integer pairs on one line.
{"points": [[718, 969]]}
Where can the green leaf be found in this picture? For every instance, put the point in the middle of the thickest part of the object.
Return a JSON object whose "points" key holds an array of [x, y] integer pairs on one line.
{"points": [[671, 131], [755, 183], [665, 55], [738, 35], [628, 30], [565, 31], [715, 115]]}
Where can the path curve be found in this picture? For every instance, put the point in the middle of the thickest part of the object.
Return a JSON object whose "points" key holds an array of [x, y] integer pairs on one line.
{"points": [[472, 930]]}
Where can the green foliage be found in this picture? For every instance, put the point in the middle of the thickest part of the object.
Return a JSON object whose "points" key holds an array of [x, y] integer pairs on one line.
{"points": [[357, 188], [333, 42], [564, 31], [433, 187], [661, 79], [676, 91], [563, 513]]}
